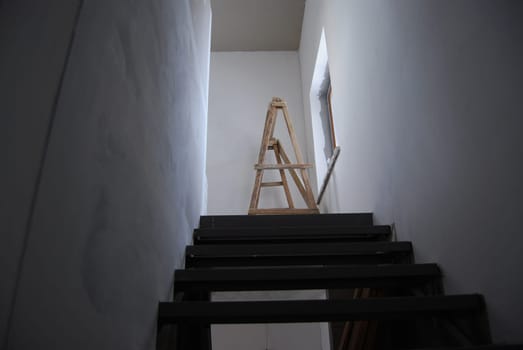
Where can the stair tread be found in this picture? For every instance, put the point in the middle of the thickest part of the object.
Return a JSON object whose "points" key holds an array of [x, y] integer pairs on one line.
{"points": [[285, 220], [321, 233], [294, 249], [481, 347], [216, 279], [318, 251], [319, 310]]}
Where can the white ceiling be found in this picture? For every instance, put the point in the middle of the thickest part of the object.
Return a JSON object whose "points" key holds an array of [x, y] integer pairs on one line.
{"points": [[256, 25]]}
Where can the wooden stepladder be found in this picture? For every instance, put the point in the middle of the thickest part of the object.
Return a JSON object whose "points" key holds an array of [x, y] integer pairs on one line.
{"points": [[283, 163]]}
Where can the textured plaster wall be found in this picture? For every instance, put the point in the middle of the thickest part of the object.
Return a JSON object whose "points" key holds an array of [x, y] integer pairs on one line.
{"points": [[427, 110], [34, 37], [122, 180]]}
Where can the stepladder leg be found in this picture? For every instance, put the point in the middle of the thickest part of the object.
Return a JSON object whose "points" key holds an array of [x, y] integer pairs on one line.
{"points": [[283, 177], [255, 197], [268, 130]]}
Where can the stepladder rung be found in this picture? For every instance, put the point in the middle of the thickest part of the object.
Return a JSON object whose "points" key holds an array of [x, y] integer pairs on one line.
{"points": [[282, 166], [282, 211], [272, 184]]}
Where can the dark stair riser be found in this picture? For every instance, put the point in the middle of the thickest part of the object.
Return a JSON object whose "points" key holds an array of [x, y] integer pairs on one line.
{"points": [[364, 276], [400, 308], [298, 254], [291, 234], [360, 219]]}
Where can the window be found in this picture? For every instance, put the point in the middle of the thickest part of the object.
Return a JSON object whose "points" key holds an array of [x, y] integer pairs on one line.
{"points": [[325, 112]]}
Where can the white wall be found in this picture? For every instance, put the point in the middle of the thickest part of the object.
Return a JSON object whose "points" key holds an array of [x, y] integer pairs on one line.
{"points": [[427, 109], [241, 86], [121, 182], [275, 336], [32, 56]]}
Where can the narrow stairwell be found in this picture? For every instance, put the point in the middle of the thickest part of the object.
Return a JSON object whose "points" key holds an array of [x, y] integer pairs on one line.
{"points": [[378, 297]]}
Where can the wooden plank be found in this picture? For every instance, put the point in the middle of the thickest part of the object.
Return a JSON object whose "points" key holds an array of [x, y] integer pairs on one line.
{"points": [[281, 166], [347, 328], [371, 338], [359, 330]]}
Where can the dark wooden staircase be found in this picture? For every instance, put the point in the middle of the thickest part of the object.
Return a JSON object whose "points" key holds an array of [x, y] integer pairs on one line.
{"points": [[398, 304]]}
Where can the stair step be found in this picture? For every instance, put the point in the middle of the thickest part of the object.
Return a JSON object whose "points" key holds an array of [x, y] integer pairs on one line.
{"points": [[222, 221], [397, 308], [330, 277], [297, 254], [482, 347], [288, 234]]}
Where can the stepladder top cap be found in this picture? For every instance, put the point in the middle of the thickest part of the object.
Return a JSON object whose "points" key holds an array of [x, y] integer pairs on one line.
{"points": [[277, 102]]}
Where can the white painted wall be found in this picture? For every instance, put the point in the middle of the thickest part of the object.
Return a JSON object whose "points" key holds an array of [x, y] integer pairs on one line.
{"points": [[33, 52], [280, 336], [427, 109], [122, 176], [241, 86]]}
